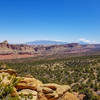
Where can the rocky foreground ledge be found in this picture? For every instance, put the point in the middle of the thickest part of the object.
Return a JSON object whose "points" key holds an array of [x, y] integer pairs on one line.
{"points": [[29, 88]]}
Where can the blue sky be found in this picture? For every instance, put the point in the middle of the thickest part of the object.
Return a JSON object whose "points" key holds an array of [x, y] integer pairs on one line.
{"points": [[61, 20]]}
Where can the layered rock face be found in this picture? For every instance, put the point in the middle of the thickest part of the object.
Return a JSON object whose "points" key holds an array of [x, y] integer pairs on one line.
{"points": [[13, 51], [29, 88]]}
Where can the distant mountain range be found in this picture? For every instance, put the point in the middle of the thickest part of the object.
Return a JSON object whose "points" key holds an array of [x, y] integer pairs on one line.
{"points": [[45, 48], [45, 42], [48, 42]]}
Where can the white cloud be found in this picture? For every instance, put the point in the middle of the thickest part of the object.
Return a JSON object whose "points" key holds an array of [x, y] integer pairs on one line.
{"points": [[87, 41]]}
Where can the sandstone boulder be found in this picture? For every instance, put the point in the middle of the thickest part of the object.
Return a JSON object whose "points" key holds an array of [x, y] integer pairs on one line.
{"points": [[54, 91], [68, 96], [60, 89], [52, 96], [33, 89], [41, 96], [46, 90], [28, 83], [28, 92], [9, 71]]}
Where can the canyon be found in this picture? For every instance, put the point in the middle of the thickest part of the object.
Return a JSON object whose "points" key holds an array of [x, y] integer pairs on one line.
{"points": [[14, 51]]}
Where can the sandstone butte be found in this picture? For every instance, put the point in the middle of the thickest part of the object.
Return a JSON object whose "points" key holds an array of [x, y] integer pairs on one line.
{"points": [[38, 90]]}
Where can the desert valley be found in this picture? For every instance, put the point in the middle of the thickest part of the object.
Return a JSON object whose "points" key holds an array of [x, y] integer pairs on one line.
{"points": [[49, 72], [49, 49]]}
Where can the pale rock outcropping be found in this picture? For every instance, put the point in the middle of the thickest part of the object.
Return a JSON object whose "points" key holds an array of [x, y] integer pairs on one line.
{"points": [[34, 89], [28, 83]]}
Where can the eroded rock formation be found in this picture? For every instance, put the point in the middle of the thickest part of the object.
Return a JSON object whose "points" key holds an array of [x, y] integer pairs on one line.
{"points": [[33, 89]]}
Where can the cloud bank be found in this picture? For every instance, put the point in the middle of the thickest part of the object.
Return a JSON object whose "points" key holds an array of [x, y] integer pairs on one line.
{"points": [[87, 41]]}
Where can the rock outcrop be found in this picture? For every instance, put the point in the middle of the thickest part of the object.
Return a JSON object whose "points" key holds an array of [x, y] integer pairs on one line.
{"points": [[68, 96], [28, 83], [9, 71], [33, 89]]}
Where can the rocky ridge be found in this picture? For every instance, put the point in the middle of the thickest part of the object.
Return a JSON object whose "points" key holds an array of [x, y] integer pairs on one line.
{"points": [[29, 88], [13, 51]]}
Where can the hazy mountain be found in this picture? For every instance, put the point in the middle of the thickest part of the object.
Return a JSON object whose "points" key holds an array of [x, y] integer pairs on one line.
{"points": [[45, 42]]}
